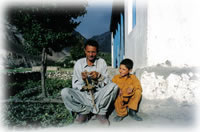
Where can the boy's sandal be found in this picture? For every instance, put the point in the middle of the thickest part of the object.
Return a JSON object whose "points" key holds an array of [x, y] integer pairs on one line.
{"points": [[118, 118]]}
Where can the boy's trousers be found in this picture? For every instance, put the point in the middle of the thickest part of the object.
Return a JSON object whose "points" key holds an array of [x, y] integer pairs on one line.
{"points": [[123, 102]]}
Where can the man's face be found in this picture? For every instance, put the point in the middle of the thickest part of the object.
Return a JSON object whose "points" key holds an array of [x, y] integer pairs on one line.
{"points": [[90, 52]]}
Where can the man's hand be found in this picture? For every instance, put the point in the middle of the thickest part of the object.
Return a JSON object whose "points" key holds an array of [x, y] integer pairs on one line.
{"points": [[84, 75], [94, 74], [89, 87]]}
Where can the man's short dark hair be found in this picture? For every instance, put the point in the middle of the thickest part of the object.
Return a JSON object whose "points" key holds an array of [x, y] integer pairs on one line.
{"points": [[92, 42], [128, 63]]}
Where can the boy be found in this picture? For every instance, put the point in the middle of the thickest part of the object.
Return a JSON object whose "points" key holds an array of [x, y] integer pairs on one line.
{"points": [[129, 92]]}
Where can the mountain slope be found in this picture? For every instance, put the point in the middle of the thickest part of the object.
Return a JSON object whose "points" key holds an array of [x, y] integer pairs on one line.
{"points": [[104, 41]]}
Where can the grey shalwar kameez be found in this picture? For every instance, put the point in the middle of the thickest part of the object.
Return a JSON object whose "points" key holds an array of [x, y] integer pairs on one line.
{"points": [[80, 101]]}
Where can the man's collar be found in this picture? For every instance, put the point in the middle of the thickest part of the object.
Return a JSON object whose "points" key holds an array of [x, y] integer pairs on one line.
{"points": [[86, 65]]}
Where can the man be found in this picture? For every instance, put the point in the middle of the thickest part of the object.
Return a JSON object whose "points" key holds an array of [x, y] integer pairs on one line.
{"points": [[80, 99]]}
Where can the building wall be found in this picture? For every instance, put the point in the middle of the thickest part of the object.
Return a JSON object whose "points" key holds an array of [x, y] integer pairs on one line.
{"points": [[164, 49], [136, 37], [163, 32], [170, 33], [164, 82]]}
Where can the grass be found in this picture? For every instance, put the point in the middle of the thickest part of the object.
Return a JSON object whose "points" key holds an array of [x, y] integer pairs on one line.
{"points": [[18, 70]]}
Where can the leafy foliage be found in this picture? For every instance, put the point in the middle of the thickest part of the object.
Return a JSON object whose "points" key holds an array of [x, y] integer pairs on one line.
{"points": [[106, 57], [28, 115], [46, 27], [77, 51], [29, 90], [54, 86], [18, 70]]}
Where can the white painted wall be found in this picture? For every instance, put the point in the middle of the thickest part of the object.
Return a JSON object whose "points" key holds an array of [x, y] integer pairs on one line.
{"points": [[164, 31], [136, 38], [170, 33]]}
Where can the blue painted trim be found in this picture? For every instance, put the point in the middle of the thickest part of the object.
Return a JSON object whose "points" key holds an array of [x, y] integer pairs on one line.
{"points": [[134, 13], [118, 43], [122, 38], [115, 52]]}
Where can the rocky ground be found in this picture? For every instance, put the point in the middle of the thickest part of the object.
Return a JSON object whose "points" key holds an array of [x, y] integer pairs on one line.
{"points": [[158, 115]]}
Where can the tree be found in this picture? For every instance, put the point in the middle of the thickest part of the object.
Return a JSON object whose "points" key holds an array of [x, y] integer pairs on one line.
{"points": [[45, 29], [76, 52]]}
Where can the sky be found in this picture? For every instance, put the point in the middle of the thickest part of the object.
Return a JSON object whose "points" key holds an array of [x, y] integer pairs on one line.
{"points": [[97, 19]]}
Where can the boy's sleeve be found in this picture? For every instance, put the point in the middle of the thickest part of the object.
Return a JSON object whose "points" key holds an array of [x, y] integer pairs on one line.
{"points": [[137, 85], [114, 79]]}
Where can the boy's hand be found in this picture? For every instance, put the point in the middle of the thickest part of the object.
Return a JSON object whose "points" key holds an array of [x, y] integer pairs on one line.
{"points": [[129, 90], [94, 74], [120, 92]]}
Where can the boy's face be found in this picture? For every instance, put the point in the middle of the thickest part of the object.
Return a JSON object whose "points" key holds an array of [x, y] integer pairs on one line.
{"points": [[123, 70]]}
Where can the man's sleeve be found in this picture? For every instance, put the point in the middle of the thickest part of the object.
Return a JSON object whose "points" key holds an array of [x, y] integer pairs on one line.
{"points": [[104, 74], [77, 81]]}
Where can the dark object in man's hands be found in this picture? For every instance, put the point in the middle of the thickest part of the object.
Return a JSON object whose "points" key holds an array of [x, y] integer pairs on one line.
{"points": [[88, 85], [94, 74]]}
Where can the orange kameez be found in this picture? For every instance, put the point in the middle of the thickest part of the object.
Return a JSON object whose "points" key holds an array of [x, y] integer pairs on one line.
{"points": [[126, 100]]}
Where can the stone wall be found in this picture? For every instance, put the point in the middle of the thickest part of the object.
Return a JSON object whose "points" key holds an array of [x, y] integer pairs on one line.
{"points": [[161, 82], [21, 77], [49, 68], [164, 81], [65, 75], [35, 74]]}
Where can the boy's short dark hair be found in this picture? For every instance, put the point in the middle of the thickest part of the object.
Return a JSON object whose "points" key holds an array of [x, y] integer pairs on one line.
{"points": [[128, 63], [92, 42]]}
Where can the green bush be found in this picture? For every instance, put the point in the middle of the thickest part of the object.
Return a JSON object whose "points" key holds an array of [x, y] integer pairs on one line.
{"points": [[31, 89], [54, 86], [77, 51], [14, 89], [29, 115], [18, 70], [106, 57], [37, 114]]}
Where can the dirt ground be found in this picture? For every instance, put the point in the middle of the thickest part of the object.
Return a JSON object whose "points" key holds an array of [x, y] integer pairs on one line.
{"points": [[161, 115]]}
